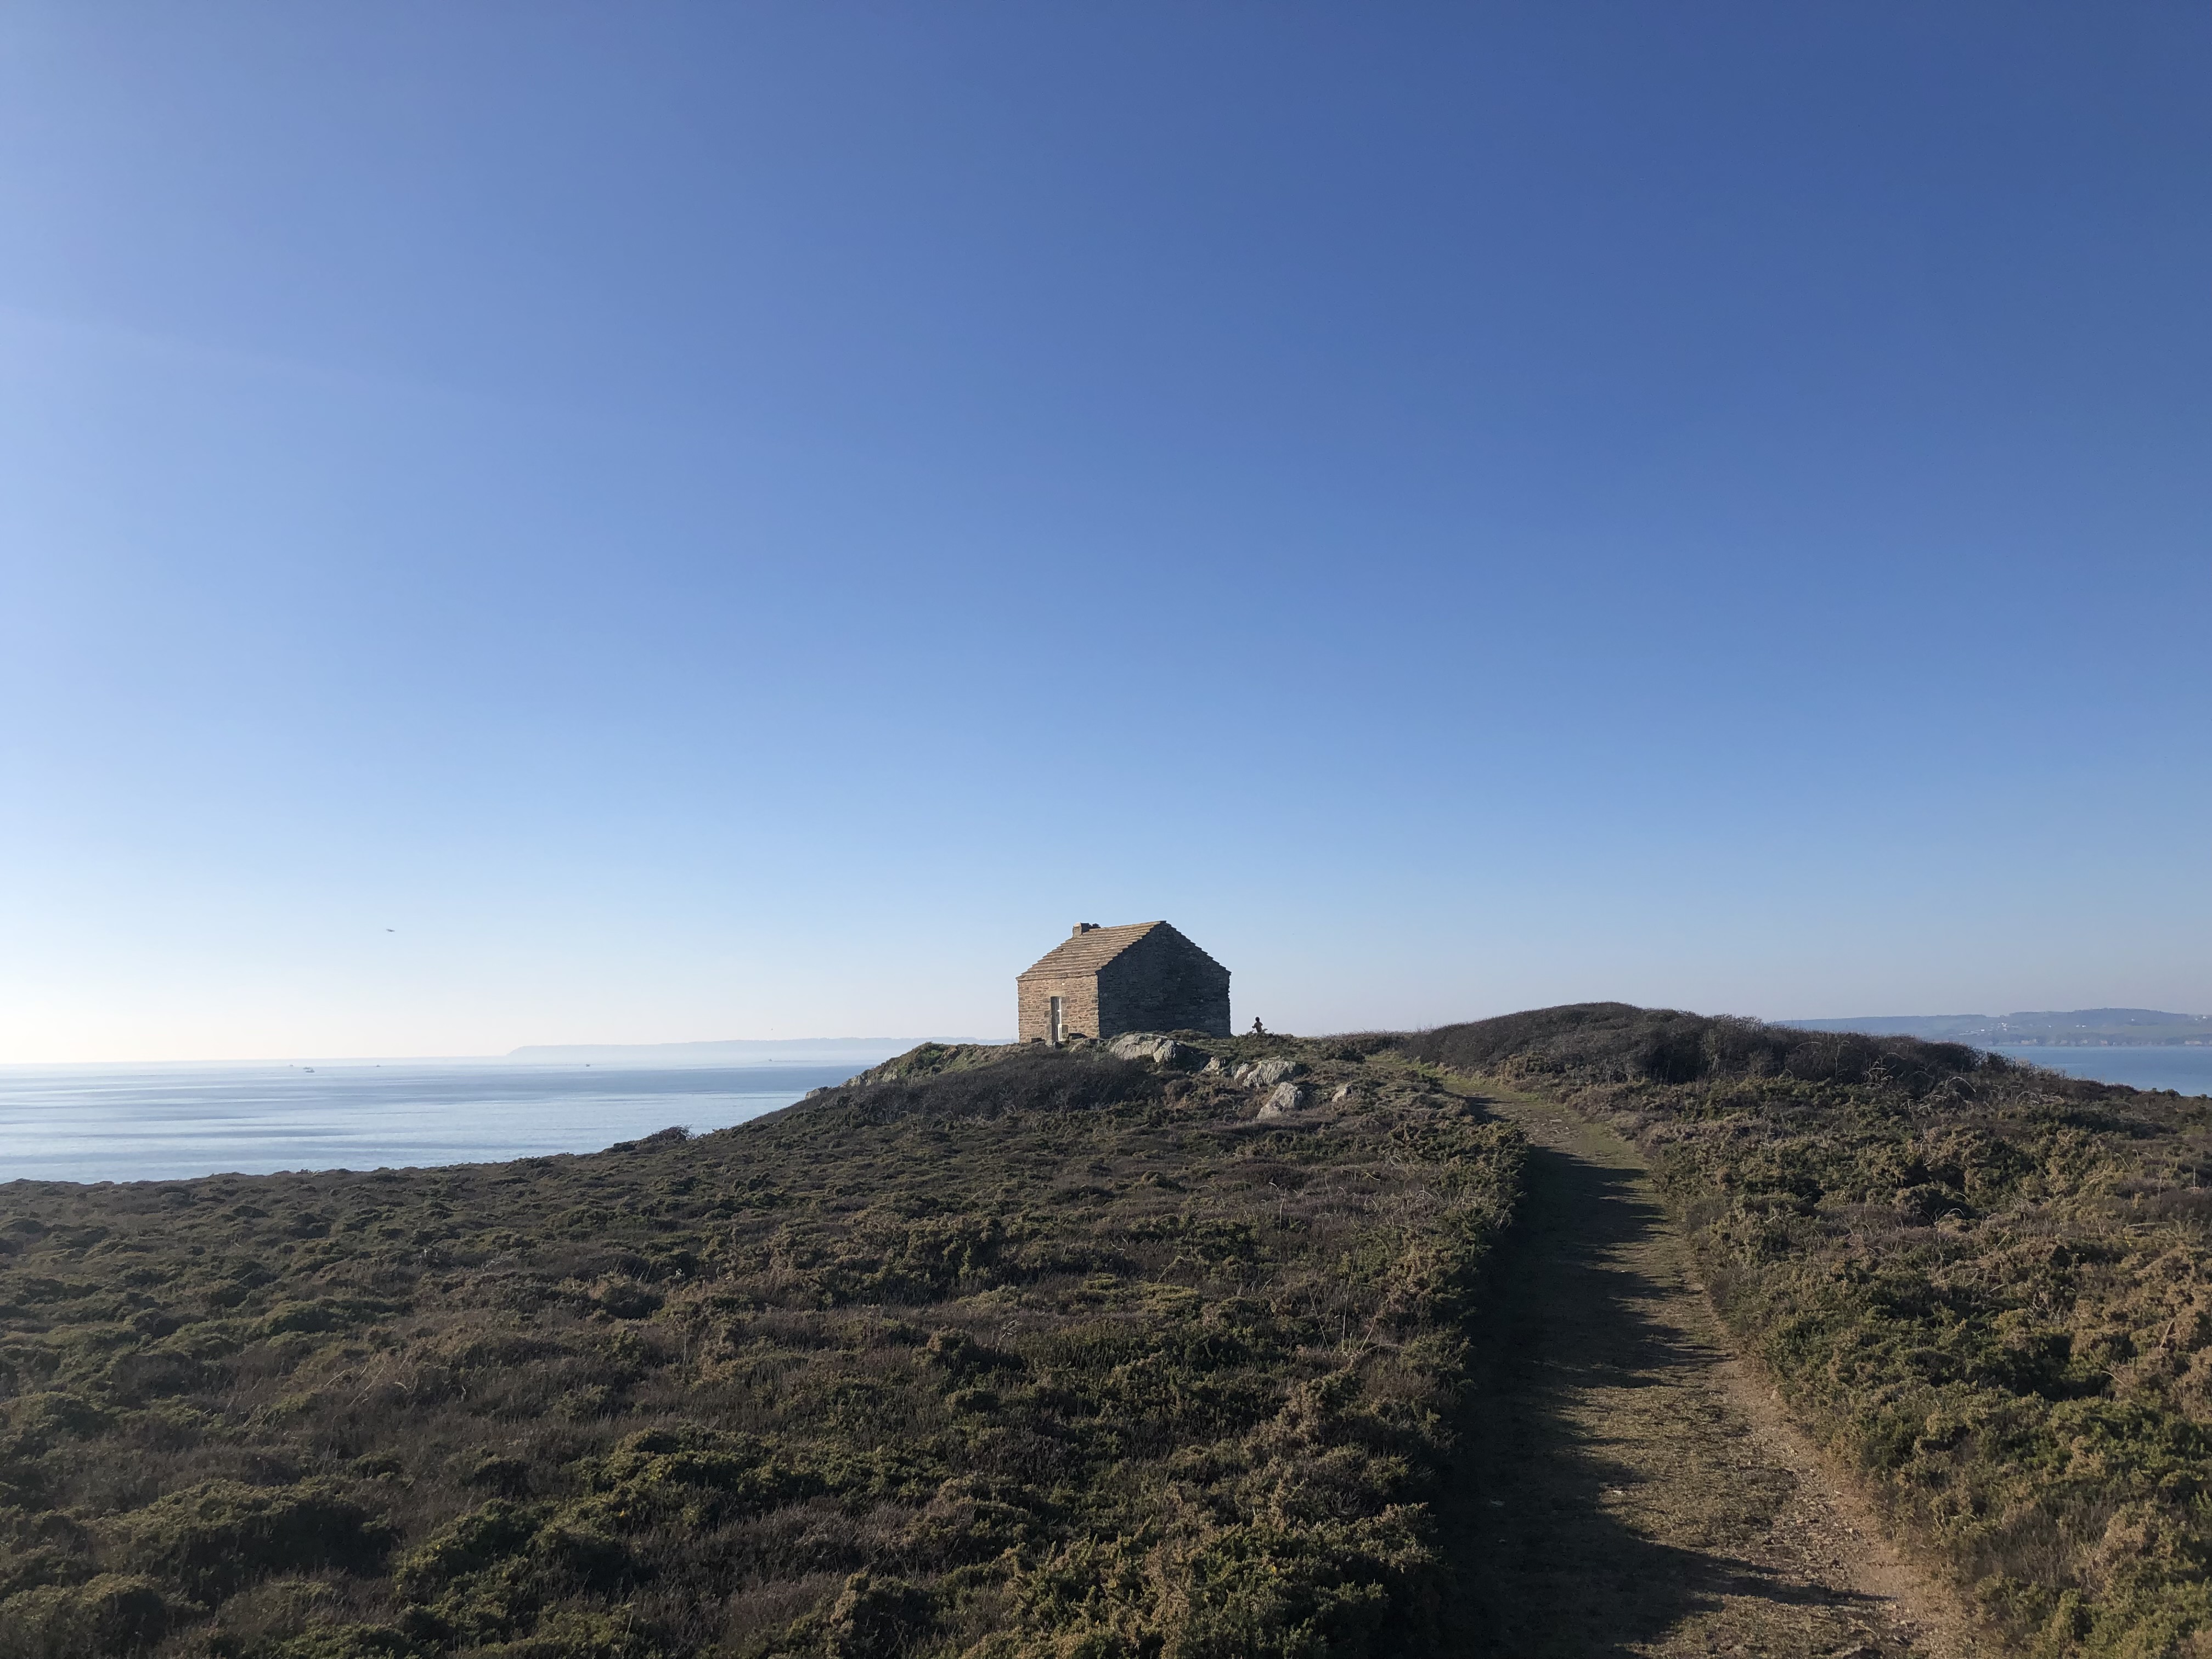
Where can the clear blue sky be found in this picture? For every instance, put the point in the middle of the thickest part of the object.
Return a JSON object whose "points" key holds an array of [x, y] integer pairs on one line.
{"points": [[711, 520]]}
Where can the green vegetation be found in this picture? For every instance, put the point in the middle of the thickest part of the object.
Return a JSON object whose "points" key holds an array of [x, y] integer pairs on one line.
{"points": [[995, 1353], [1988, 1285]]}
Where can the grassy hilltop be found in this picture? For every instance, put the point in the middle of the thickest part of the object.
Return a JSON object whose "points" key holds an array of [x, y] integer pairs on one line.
{"points": [[1002, 1351], [994, 1352]]}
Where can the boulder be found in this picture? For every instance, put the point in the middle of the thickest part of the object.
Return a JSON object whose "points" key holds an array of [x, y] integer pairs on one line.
{"points": [[1149, 1045], [1268, 1073], [1286, 1099]]}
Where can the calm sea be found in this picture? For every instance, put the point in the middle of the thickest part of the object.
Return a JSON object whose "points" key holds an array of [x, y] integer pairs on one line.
{"points": [[2187, 1069], [165, 1122]]}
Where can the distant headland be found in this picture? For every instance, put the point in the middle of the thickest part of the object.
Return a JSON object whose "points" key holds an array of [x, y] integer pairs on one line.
{"points": [[2080, 1028]]}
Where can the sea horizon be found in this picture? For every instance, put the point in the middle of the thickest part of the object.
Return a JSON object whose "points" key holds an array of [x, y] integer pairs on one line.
{"points": [[770, 1051], [149, 1120]]}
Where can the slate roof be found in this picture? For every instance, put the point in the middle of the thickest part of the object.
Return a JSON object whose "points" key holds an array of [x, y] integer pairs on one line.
{"points": [[1086, 953]]}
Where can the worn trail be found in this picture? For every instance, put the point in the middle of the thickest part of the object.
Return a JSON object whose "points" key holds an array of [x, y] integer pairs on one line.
{"points": [[1632, 1486]]}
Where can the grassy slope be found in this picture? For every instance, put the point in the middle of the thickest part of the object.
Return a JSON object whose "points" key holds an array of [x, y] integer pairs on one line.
{"points": [[1001, 1353], [1989, 1286]]}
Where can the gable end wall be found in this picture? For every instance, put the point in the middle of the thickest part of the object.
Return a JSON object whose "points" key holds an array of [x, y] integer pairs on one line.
{"points": [[1162, 983]]}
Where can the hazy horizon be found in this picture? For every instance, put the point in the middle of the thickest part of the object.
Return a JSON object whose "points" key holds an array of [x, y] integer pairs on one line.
{"points": [[522, 1055], [516, 522], [548, 1053]]}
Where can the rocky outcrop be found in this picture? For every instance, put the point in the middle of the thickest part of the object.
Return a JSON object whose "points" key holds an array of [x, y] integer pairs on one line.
{"points": [[1149, 1045], [1287, 1100]]}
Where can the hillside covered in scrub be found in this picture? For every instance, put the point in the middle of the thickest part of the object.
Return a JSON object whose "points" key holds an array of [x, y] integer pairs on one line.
{"points": [[1007, 1352], [1989, 1287], [993, 1351]]}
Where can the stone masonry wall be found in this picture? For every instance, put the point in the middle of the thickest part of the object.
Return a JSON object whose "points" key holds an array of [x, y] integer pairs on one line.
{"points": [[1162, 983], [1079, 997]]}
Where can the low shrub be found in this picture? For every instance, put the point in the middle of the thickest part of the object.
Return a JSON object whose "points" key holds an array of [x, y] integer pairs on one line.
{"points": [[109, 1616], [213, 1538]]}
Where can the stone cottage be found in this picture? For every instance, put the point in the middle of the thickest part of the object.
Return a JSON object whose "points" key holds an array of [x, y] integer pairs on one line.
{"points": [[1102, 981]]}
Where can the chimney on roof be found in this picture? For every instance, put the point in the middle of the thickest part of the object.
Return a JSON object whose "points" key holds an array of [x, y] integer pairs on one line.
{"points": [[1082, 927]]}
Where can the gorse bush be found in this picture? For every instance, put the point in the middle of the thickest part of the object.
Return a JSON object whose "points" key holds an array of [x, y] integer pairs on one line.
{"points": [[996, 1352], [109, 1612], [212, 1538], [1988, 1285]]}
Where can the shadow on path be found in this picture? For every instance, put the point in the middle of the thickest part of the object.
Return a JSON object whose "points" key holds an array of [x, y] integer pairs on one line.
{"points": [[1557, 1445]]}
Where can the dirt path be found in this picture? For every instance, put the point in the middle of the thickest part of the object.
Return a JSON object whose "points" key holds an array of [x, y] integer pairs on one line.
{"points": [[1634, 1488]]}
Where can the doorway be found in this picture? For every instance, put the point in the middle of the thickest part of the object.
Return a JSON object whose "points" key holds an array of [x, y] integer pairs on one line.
{"points": [[1059, 1021]]}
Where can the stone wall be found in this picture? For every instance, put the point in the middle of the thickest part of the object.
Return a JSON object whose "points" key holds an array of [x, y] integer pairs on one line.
{"points": [[1162, 983], [1078, 995]]}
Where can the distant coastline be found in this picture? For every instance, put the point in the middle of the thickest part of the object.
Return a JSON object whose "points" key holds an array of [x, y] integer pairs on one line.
{"points": [[2079, 1028], [735, 1051]]}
